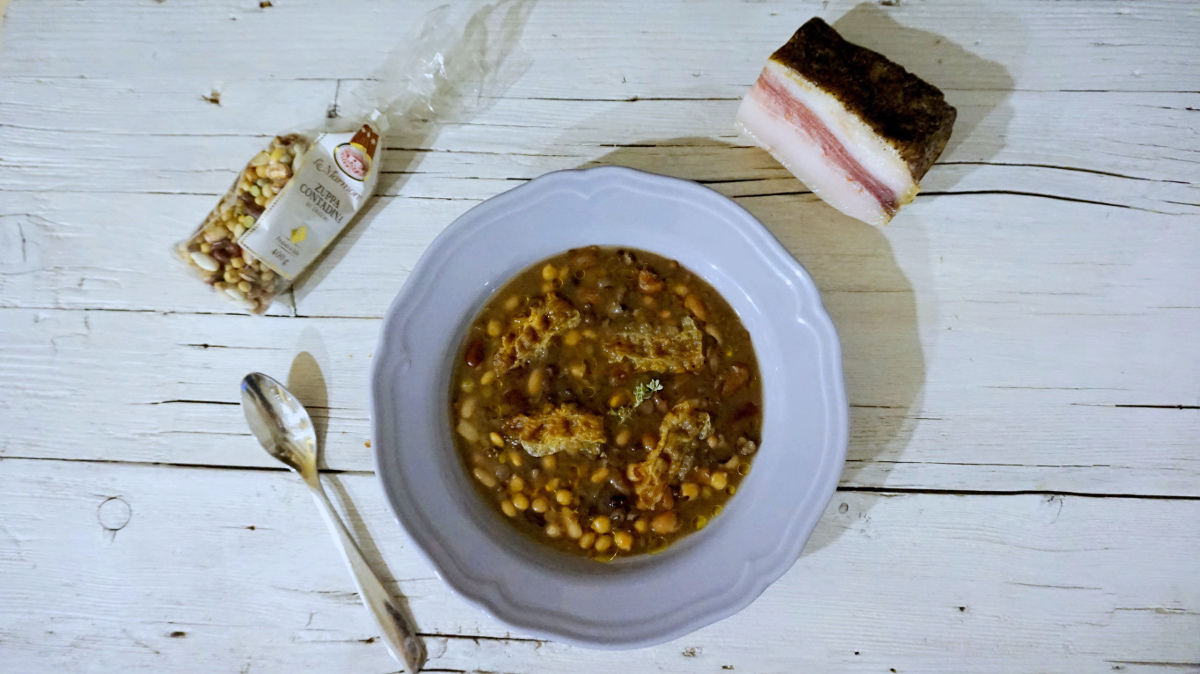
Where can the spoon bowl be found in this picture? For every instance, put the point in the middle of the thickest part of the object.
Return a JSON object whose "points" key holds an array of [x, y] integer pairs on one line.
{"points": [[280, 423], [285, 430]]}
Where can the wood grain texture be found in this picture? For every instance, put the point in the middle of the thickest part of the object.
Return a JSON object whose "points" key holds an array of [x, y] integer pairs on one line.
{"points": [[155, 568], [1025, 403]]}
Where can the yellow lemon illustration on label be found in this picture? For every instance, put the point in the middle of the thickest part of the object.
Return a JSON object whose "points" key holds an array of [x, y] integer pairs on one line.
{"points": [[299, 234]]}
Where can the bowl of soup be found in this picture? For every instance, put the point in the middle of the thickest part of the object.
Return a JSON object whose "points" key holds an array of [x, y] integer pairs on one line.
{"points": [[608, 407]]}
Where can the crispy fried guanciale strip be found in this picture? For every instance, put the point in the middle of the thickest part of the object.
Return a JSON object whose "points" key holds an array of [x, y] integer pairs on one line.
{"points": [[556, 429], [668, 463], [530, 333], [659, 350]]}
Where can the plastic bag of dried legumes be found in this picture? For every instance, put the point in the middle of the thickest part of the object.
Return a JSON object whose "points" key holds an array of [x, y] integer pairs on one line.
{"points": [[300, 191]]}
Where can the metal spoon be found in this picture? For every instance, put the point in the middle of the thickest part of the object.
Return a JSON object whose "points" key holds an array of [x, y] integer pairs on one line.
{"points": [[284, 429]]}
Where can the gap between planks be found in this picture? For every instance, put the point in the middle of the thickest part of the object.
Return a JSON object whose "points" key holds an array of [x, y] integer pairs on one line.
{"points": [[882, 491]]}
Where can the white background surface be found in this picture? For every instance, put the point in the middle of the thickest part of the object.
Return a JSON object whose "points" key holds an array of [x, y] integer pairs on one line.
{"points": [[1023, 484]]}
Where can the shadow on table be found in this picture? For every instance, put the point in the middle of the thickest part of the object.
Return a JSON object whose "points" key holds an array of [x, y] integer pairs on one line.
{"points": [[307, 383], [977, 87], [865, 292]]}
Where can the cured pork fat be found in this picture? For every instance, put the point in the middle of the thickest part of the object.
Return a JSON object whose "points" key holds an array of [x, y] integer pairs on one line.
{"points": [[859, 130]]}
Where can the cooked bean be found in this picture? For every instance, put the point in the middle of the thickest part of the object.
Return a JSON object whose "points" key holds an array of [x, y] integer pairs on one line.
{"points": [[664, 523], [473, 356], [624, 540], [574, 531], [468, 407], [536, 379], [735, 378], [694, 304], [554, 359], [485, 478], [649, 282]]}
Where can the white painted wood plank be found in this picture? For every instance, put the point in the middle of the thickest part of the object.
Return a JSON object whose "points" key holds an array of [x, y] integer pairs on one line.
{"points": [[983, 406], [151, 136], [621, 49], [237, 566]]}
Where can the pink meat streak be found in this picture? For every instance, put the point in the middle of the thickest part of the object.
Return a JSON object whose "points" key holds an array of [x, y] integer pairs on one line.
{"points": [[773, 96]]}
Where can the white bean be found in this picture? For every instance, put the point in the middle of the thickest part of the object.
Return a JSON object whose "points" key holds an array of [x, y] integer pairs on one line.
{"points": [[205, 262]]}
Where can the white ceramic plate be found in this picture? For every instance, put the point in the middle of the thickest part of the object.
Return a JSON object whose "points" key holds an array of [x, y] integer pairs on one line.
{"points": [[649, 599]]}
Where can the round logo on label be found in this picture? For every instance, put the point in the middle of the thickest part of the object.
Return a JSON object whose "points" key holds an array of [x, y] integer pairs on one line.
{"points": [[353, 161]]}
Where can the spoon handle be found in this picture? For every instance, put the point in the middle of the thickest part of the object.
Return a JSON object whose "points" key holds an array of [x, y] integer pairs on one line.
{"points": [[399, 629]]}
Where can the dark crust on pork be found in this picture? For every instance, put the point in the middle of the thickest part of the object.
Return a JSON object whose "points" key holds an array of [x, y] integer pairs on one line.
{"points": [[908, 112]]}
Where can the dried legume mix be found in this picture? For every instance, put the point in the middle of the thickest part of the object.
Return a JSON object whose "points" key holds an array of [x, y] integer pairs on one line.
{"points": [[607, 402], [286, 206]]}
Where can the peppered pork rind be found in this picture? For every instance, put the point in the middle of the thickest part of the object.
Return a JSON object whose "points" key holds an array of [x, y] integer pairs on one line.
{"points": [[653, 350], [556, 429], [530, 334]]}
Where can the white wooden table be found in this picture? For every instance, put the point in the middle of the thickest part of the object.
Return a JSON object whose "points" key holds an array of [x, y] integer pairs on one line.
{"points": [[1023, 486]]}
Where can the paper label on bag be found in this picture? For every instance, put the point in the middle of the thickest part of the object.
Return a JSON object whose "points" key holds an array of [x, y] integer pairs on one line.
{"points": [[334, 181]]}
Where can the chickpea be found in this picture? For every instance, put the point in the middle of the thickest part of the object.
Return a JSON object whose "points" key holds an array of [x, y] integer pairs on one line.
{"points": [[600, 475], [516, 483], [509, 509], [540, 505], [553, 530], [719, 480], [572, 338], [520, 502], [604, 543], [601, 525], [622, 438], [587, 540], [624, 540], [495, 439], [493, 328], [563, 496]]}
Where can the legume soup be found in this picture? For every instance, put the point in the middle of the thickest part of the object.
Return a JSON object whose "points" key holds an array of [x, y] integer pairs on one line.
{"points": [[607, 402]]}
